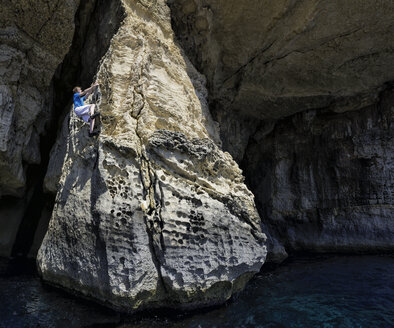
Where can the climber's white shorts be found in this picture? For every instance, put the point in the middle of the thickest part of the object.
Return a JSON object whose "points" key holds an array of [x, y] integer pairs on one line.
{"points": [[83, 112]]}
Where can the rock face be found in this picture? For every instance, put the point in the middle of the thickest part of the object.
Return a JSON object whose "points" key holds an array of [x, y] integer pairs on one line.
{"points": [[30, 53], [152, 213], [323, 181]]}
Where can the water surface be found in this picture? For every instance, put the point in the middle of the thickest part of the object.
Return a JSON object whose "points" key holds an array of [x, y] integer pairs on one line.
{"points": [[351, 291]]}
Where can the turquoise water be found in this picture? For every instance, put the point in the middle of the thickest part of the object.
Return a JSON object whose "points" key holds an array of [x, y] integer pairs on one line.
{"points": [[356, 291]]}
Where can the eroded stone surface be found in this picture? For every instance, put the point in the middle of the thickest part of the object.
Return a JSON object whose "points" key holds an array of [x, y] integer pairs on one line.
{"points": [[207, 234], [152, 213], [97, 241]]}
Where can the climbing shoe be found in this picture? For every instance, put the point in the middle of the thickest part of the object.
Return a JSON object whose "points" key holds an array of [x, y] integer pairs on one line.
{"points": [[92, 117], [94, 133]]}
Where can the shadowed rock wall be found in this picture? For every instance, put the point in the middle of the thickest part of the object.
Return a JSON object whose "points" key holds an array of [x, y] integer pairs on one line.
{"points": [[321, 178], [270, 60], [34, 38], [30, 54], [324, 181]]}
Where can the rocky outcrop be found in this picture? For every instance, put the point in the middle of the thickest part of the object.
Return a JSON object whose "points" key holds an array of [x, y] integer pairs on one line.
{"points": [[30, 54], [152, 213], [323, 181]]}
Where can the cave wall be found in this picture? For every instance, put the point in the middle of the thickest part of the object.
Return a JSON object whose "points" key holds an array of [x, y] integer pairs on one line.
{"points": [[322, 178], [270, 60], [266, 61], [30, 54], [324, 181]]}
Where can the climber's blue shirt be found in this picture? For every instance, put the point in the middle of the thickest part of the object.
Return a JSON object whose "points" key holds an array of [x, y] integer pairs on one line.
{"points": [[78, 101]]}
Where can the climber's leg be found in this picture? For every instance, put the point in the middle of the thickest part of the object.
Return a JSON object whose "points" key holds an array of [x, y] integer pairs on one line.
{"points": [[93, 115], [83, 112], [92, 109], [91, 122]]}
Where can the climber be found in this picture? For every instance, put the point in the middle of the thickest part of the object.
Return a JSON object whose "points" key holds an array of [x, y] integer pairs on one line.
{"points": [[86, 112]]}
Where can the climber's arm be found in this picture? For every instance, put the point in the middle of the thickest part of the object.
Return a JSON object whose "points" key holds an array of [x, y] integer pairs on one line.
{"points": [[88, 91]]}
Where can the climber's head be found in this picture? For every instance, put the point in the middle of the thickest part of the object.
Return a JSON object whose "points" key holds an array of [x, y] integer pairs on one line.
{"points": [[77, 90]]}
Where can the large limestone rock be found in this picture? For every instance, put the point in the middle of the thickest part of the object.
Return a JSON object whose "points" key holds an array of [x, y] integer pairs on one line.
{"points": [[30, 52], [151, 213]]}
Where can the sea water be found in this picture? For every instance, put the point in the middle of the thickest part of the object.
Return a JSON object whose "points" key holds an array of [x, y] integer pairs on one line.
{"points": [[339, 291]]}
